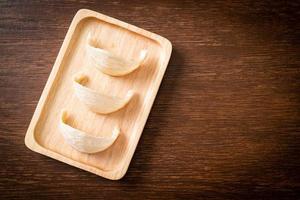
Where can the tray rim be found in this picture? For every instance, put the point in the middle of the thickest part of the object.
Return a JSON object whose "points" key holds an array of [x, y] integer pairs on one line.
{"points": [[30, 140]]}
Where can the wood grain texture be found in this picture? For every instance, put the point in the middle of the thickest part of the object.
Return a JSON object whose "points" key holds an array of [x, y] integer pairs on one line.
{"points": [[225, 123]]}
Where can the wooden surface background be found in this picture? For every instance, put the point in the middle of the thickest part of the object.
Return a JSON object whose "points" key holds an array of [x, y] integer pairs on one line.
{"points": [[225, 123]]}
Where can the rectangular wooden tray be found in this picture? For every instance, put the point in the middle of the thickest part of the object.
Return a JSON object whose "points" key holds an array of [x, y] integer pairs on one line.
{"points": [[127, 41]]}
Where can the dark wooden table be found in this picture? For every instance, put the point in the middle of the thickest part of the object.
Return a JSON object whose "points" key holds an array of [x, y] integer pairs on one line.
{"points": [[225, 123]]}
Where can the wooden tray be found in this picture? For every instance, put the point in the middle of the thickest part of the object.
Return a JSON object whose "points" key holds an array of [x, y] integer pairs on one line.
{"points": [[125, 40]]}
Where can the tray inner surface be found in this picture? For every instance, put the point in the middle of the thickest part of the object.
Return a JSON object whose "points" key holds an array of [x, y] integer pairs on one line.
{"points": [[124, 43]]}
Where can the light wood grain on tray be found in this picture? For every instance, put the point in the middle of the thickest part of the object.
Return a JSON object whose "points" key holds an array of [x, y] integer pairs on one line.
{"points": [[126, 41]]}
